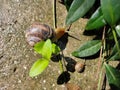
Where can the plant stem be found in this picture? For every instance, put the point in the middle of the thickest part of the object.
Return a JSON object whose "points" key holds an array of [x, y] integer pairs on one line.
{"points": [[54, 14], [101, 60], [104, 82], [101, 51], [100, 79], [101, 72], [55, 26], [61, 66], [62, 62], [116, 41]]}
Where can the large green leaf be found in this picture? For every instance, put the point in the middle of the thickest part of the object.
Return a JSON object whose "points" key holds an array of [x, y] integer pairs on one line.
{"points": [[78, 9], [88, 49], [38, 67], [44, 48], [96, 21], [115, 54], [110, 9], [113, 76]]}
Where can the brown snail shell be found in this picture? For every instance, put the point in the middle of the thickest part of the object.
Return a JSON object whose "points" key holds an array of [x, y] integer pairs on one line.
{"points": [[37, 32], [79, 67]]}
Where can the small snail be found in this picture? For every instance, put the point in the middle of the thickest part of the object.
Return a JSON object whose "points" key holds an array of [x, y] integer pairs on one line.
{"points": [[37, 32], [79, 67]]}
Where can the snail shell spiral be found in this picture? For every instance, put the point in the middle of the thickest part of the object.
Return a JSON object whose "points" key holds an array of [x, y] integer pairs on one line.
{"points": [[38, 32]]}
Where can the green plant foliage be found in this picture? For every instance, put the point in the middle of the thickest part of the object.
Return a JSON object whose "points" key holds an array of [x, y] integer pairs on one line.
{"points": [[114, 57], [44, 48], [68, 4], [55, 49], [113, 76], [38, 47], [117, 28], [38, 67], [78, 9], [115, 54], [109, 34], [96, 21], [110, 9], [88, 49]]}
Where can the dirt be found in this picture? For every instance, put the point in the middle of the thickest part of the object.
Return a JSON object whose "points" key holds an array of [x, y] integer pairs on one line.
{"points": [[16, 56]]}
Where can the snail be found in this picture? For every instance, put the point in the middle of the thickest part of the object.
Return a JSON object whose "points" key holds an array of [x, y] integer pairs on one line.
{"points": [[79, 67], [38, 32]]}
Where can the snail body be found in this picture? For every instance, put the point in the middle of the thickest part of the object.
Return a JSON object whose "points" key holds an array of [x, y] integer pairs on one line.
{"points": [[38, 32]]}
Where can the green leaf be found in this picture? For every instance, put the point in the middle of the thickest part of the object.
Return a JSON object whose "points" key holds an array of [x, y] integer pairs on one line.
{"points": [[113, 76], [47, 49], [44, 48], [55, 49], [109, 34], [117, 28], [110, 9], [38, 47], [88, 49], [78, 9], [115, 54], [96, 21], [68, 4], [38, 67], [115, 57]]}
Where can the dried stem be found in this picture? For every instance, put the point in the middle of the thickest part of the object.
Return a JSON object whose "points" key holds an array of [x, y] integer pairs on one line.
{"points": [[54, 14], [101, 58]]}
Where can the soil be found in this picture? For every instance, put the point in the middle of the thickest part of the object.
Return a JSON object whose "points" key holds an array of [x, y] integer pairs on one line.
{"points": [[17, 57]]}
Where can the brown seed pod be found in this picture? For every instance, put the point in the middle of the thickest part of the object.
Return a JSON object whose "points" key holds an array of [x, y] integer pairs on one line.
{"points": [[79, 67], [37, 32]]}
